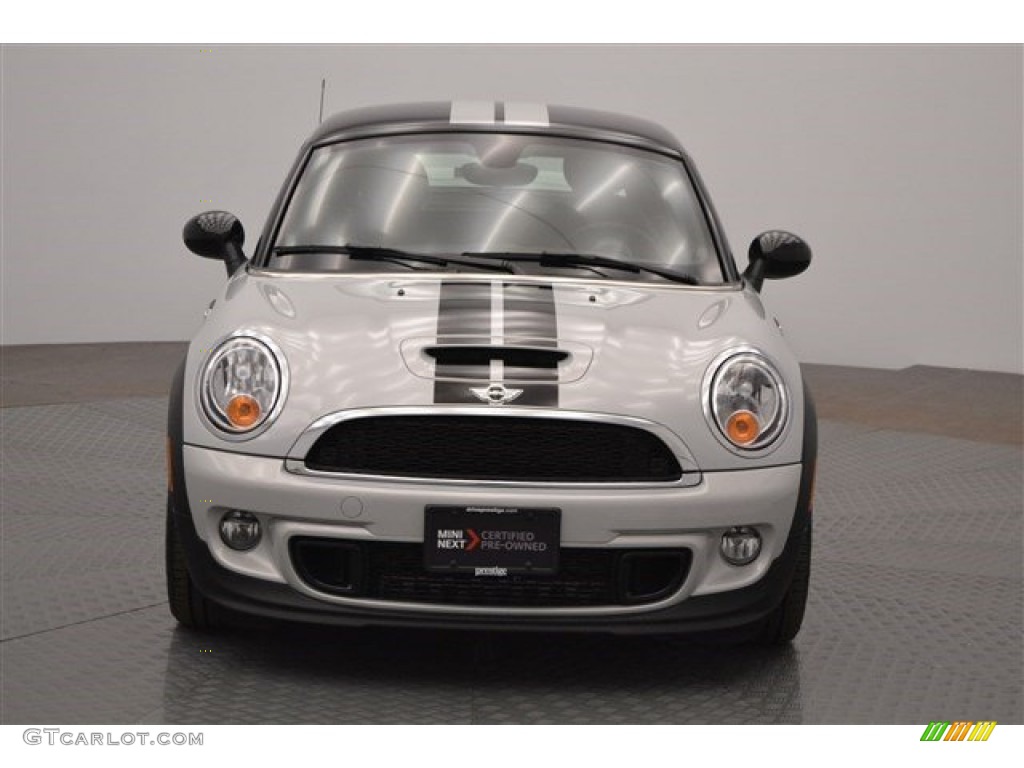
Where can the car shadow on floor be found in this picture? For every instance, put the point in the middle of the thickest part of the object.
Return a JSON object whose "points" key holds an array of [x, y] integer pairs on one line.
{"points": [[299, 674]]}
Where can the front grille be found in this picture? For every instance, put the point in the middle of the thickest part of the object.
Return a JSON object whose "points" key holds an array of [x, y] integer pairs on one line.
{"points": [[395, 572], [494, 448]]}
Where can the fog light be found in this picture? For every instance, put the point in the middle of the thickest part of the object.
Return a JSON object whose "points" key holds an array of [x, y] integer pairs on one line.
{"points": [[741, 545], [240, 530]]}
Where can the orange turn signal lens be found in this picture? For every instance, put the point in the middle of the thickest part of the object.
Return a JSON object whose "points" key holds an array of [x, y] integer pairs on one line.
{"points": [[243, 411], [743, 428]]}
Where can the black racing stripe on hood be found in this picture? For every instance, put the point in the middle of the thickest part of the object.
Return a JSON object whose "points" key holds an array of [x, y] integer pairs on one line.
{"points": [[530, 313], [464, 317]]}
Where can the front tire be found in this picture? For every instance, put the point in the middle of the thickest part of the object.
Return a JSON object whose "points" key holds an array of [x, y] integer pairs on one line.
{"points": [[783, 624], [187, 603]]}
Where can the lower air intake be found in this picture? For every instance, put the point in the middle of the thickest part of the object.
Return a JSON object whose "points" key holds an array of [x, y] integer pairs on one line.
{"points": [[395, 572]]}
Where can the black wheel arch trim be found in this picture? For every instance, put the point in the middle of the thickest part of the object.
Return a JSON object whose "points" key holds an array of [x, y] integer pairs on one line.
{"points": [[176, 436]]}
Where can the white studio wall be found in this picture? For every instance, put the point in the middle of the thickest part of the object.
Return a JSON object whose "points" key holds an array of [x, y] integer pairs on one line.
{"points": [[902, 166]]}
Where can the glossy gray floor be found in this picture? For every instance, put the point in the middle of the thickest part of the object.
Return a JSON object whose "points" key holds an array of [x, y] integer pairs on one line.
{"points": [[914, 614]]}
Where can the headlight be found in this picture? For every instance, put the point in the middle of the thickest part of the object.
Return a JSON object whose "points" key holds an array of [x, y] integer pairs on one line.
{"points": [[242, 386], [747, 401]]}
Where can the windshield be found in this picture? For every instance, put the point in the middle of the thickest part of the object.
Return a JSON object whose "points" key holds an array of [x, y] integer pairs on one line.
{"points": [[475, 196]]}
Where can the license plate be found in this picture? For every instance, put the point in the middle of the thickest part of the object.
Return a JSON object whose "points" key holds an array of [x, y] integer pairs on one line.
{"points": [[491, 541]]}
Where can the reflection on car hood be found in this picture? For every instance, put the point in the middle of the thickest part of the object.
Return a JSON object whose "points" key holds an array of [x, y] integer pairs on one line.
{"points": [[631, 349]]}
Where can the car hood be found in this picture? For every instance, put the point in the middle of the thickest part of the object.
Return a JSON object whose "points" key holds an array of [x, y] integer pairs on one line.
{"points": [[633, 350]]}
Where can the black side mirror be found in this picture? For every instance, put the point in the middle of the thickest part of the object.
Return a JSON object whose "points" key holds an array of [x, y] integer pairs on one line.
{"points": [[216, 235], [776, 254]]}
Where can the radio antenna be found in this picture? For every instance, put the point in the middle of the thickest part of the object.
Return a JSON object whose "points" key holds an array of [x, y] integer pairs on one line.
{"points": [[323, 87]]}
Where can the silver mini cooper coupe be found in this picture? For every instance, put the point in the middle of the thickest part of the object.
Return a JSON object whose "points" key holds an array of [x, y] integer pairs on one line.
{"points": [[492, 365]]}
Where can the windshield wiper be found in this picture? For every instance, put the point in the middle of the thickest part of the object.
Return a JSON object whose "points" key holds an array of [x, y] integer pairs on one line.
{"points": [[394, 255], [549, 259]]}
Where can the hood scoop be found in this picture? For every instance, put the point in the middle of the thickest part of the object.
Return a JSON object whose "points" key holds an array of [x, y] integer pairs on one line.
{"points": [[512, 357], [522, 360]]}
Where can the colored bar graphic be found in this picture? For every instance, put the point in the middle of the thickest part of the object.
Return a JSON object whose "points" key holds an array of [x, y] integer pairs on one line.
{"points": [[959, 730], [982, 730], [934, 731]]}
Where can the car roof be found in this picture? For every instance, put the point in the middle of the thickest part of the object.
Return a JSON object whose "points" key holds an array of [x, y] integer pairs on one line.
{"points": [[497, 117]]}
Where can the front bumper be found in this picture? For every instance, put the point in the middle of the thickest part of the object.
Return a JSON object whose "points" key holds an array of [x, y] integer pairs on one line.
{"points": [[695, 614], [265, 487], [264, 580]]}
